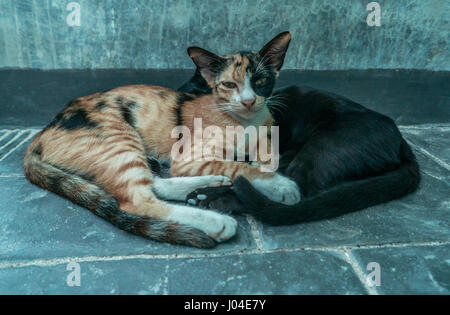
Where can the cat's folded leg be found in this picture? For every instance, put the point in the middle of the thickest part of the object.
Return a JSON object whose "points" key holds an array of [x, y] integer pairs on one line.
{"points": [[274, 186], [218, 226], [177, 188], [138, 199], [221, 198], [278, 188], [224, 199]]}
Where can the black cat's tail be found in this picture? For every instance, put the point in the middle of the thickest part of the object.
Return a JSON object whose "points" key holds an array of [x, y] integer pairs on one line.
{"points": [[341, 199]]}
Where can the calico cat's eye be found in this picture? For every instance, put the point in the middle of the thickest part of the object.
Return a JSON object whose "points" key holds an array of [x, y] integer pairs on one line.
{"points": [[229, 85], [261, 81]]}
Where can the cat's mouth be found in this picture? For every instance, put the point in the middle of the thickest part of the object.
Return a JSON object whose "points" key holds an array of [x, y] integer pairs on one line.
{"points": [[248, 113]]}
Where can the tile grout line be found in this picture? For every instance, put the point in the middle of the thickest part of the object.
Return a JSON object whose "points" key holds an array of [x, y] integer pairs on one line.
{"points": [[255, 231], [431, 156], [438, 126], [395, 245], [32, 133], [64, 260], [12, 175], [22, 129], [351, 260], [6, 133], [13, 139], [431, 175]]}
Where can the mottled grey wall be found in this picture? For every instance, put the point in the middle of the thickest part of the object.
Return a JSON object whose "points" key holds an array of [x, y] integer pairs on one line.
{"points": [[327, 34]]}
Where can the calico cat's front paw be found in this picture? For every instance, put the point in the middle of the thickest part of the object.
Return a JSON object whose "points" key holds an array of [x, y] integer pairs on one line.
{"points": [[218, 226], [225, 227], [279, 189], [221, 198]]}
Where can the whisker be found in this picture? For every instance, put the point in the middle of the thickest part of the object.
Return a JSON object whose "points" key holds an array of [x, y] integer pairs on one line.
{"points": [[261, 64], [278, 96], [277, 104]]}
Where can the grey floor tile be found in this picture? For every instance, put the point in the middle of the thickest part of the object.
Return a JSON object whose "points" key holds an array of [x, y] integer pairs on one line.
{"points": [[410, 270], [12, 150], [36, 223], [132, 277], [275, 273], [420, 217], [435, 141]]}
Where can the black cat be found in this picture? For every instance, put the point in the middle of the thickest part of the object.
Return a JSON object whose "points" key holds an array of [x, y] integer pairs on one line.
{"points": [[343, 156]]}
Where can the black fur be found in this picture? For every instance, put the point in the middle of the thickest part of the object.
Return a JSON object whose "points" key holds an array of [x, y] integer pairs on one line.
{"points": [[196, 85], [154, 165], [77, 120], [181, 98], [266, 89], [163, 94], [100, 105], [38, 150], [128, 115], [264, 71], [72, 118], [126, 108], [56, 120], [343, 156]]}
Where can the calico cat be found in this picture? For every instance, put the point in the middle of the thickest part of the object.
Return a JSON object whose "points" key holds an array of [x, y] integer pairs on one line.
{"points": [[95, 151], [343, 156]]}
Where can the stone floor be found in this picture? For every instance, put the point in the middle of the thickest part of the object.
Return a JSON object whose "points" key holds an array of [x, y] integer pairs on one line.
{"points": [[408, 239]]}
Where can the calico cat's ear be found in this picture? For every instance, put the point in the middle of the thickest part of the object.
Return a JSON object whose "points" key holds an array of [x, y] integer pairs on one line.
{"points": [[208, 63], [274, 51]]}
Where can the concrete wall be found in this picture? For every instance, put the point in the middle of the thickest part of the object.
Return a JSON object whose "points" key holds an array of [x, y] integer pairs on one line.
{"points": [[327, 34]]}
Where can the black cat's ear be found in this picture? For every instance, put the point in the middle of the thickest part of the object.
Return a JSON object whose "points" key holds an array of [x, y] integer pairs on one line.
{"points": [[208, 63], [273, 52]]}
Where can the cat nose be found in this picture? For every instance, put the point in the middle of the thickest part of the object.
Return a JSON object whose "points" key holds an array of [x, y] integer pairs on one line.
{"points": [[248, 102]]}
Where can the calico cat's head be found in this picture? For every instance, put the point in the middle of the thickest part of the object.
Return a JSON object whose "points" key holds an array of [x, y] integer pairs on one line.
{"points": [[242, 82]]}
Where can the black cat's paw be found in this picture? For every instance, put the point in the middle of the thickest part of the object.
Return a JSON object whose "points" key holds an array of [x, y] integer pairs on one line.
{"points": [[220, 198]]}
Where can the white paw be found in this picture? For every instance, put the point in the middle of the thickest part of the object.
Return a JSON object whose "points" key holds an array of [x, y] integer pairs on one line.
{"points": [[279, 189], [177, 188], [214, 180], [217, 226], [222, 227]]}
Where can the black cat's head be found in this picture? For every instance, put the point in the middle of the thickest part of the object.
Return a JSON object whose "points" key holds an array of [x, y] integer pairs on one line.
{"points": [[242, 82]]}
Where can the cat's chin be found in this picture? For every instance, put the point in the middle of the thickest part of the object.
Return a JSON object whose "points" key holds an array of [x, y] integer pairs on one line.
{"points": [[248, 115]]}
